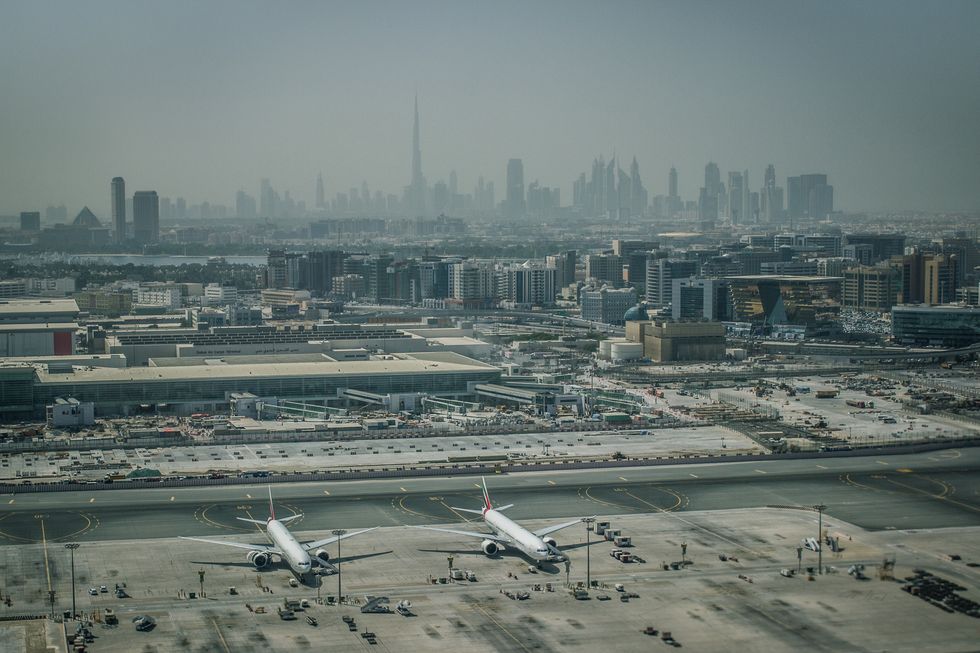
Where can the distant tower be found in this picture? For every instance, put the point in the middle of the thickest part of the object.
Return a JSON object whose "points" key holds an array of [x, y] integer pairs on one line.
{"points": [[417, 189], [672, 182], [320, 200], [515, 189], [118, 198], [146, 216], [746, 198]]}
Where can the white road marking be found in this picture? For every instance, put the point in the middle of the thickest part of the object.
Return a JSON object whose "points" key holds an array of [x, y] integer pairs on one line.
{"points": [[821, 467], [759, 471], [695, 476]]}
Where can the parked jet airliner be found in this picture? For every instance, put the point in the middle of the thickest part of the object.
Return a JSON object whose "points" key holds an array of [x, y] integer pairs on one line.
{"points": [[283, 545], [534, 544]]}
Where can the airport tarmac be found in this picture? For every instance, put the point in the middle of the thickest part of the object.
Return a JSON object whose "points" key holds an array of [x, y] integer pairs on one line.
{"points": [[929, 490], [308, 456], [740, 603]]}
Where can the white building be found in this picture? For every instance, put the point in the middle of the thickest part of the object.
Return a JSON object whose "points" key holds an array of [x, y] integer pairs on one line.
{"points": [[607, 305], [166, 296], [216, 294]]}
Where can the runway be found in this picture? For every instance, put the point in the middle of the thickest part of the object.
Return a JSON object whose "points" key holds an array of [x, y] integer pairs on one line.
{"points": [[933, 490]]}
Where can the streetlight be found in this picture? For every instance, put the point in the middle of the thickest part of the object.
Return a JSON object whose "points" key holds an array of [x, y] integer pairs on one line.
{"points": [[71, 546], [588, 521], [340, 532], [820, 508]]}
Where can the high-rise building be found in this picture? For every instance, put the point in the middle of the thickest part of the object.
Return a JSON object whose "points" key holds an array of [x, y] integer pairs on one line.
{"points": [[748, 215], [696, 298], [661, 273], [638, 194], [515, 203], [673, 199], [607, 305], [30, 221], [735, 192], [118, 201], [771, 197], [146, 216], [321, 201], [795, 204], [244, 205], [417, 189]]}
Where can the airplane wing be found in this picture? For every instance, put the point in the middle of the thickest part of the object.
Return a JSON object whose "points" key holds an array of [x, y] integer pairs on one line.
{"points": [[547, 530], [237, 545], [482, 536], [330, 540]]}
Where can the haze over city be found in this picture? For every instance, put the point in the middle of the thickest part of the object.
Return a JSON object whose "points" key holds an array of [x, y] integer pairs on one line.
{"points": [[543, 326], [202, 99]]}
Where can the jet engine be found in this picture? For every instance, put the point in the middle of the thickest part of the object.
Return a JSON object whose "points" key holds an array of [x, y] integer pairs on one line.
{"points": [[259, 559], [550, 541], [322, 555], [490, 547]]}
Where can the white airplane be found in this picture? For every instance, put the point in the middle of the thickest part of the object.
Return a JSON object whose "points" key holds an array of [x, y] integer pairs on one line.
{"points": [[534, 544], [283, 545]]}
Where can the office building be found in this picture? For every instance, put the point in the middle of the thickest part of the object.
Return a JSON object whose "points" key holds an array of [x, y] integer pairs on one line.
{"points": [[883, 246], [939, 277], [117, 191], [30, 221], [604, 268], [661, 273], [936, 326], [146, 216], [695, 298], [871, 288], [607, 305]]}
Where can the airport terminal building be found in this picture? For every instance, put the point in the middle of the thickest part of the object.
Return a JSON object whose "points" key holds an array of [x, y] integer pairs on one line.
{"points": [[25, 390]]}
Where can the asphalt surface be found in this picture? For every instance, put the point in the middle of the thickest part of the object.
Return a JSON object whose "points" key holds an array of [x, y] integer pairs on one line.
{"points": [[932, 490]]}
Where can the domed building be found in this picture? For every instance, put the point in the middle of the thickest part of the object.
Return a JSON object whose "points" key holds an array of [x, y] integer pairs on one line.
{"points": [[637, 313]]}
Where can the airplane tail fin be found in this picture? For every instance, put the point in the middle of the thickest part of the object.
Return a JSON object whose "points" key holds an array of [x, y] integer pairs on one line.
{"points": [[272, 509], [486, 496]]}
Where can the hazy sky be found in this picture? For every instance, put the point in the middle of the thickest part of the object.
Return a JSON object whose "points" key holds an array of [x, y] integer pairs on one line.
{"points": [[199, 99]]}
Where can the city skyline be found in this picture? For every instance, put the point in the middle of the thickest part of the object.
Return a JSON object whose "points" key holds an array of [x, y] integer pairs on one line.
{"points": [[888, 112]]}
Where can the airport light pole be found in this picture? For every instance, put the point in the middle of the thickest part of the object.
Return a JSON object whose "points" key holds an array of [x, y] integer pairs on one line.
{"points": [[340, 535], [820, 508], [588, 521], [71, 546]]}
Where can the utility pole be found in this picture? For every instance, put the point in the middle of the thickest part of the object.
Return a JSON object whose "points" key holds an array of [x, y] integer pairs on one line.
{"points": [[820, 508], [71, 546], [340, 535], [588, 521]]}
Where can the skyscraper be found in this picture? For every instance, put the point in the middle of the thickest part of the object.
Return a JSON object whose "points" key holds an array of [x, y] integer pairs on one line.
{"points": [[735, 192], [417, 188], [638, 194], [672, 182], [515, 203], [746, 212], [118, 201], [771, 197], [146, 216], [320, 199]]}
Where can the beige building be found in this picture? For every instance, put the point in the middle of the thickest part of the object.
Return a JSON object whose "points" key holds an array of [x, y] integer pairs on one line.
{"points": [[668, 342]]}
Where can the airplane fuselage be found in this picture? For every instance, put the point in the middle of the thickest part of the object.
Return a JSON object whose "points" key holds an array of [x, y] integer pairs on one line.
{"points": [[293, 553], [526, 542]]}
